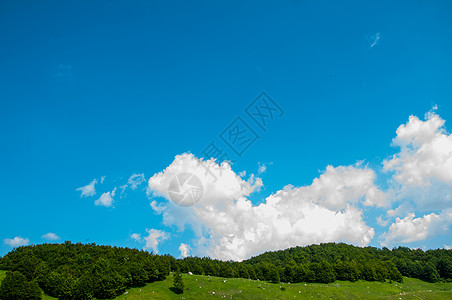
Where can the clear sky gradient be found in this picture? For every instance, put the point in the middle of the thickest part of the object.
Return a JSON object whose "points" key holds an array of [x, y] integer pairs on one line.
{"points": [[109, 88]]}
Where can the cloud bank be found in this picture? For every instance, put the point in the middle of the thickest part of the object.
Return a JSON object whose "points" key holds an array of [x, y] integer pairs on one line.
{"points": [[421, 178], [229, 226], [332, 209]]}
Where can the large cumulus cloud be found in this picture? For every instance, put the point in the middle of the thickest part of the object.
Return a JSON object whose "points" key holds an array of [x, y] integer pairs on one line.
{"points": [[229, 226], [421, 175]]}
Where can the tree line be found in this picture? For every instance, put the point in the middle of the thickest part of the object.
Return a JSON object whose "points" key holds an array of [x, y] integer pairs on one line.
{"points": [[84, 271], [369, 263]]}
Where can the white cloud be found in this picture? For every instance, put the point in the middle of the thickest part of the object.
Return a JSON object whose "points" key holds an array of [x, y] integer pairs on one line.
{"points": [[347, 184], [382, 222], [157, 208], [231, 227], [123, 188], [421, 180], [423, 167], [102, 179], [106, 199], [403, 209], [184, 250], [17, 241], [374, 39], [425, 152], [136, 237], [219, 181], [88, 190], [154, 238], [51, 236], [447, 247], [411, 229], [135, 180], [262, 168]]}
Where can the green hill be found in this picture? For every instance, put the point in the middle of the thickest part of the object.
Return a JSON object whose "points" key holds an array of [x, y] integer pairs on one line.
{"points": [[207, 287], [82, 271]]}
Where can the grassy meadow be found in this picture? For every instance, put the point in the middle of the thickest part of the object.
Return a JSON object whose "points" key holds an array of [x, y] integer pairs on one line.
{"points": [[205, 287]]}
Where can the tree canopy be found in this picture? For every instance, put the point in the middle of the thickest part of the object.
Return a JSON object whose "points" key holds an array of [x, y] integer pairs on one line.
{"points": [[84, 271]]}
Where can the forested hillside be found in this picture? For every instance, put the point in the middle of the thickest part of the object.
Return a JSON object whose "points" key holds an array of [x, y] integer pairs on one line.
{"points": [[78, 271], [83, 271], [329, 262], [351, 263]]}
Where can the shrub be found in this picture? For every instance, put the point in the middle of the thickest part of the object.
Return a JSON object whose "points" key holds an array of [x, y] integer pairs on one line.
{"points": [[178, 283]]}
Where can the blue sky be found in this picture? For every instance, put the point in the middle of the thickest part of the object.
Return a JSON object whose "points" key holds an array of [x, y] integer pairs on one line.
{"points": [[114, 89]]}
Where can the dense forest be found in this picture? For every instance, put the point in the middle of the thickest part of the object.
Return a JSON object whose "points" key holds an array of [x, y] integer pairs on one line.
{"points": [[84, 271]]}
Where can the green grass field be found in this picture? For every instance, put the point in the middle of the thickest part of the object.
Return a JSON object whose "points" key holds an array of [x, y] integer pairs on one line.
{"points": [[203, 287], [199, 287]]}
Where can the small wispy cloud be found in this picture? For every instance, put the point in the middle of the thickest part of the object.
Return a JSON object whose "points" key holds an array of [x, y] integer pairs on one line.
{"points": [[154, 238], [51, 236], [263, 167], [157, 208], [136, 237], [88, 190], [382, 222], [135, 180], [17, 241], [374, 40], [106, 199], [151, 241]]}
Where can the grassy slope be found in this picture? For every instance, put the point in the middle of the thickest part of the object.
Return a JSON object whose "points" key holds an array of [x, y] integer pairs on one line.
{"points": [[201, 288]]}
